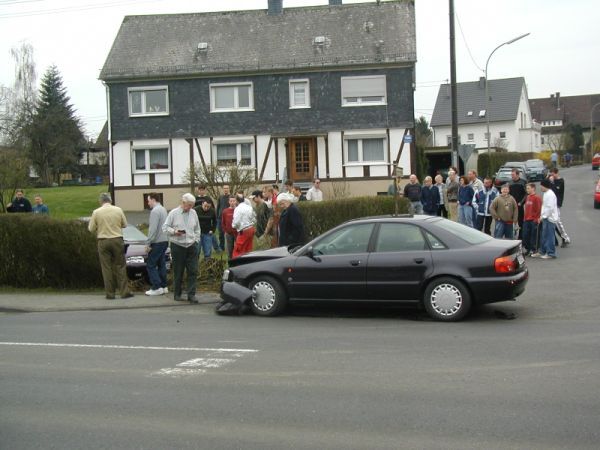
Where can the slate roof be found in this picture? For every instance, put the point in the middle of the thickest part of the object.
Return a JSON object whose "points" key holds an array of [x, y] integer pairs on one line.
{"points": [[573, 109], [160, 46], [102, 140], [505, 95]]}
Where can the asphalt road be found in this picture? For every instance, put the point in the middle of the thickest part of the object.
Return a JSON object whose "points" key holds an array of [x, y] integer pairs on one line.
{"points": [[320, 377]]}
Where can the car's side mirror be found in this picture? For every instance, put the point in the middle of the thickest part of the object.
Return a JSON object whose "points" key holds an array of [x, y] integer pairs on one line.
{"points": [[311, 254]]}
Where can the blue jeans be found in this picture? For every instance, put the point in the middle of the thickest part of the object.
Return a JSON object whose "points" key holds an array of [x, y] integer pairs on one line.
{"points": [[547, 246], [465, 215], [206, 244], [156, 265], [530, 235], [503, 230], [417, 207]]}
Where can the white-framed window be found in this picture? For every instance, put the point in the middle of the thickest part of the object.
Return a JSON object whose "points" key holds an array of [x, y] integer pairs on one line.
{"points": [[482, 113], [228, 97], [148, 101], [365, 150], [503, 135], [449, 140], [233, 153], [299, 94], [486, 136], [470, 136], [151, 159], [364, 90]]}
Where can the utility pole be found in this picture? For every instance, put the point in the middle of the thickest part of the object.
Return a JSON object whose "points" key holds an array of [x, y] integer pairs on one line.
{"points": [[453, 94]]}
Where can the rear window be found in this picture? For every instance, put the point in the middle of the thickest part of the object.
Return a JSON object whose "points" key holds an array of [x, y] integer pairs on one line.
{"points": [[467, 234]]}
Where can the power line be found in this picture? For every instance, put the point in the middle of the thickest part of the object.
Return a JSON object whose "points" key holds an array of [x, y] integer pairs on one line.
{"points": [[466, 43], [67, 9]]}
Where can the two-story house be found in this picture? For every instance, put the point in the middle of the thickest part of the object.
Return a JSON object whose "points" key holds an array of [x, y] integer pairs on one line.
{"points": [[507, 110], [293, 93]]}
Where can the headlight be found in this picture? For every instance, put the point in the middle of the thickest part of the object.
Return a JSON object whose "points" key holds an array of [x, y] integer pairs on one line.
{"points": [[227, 275], [135, 259]]}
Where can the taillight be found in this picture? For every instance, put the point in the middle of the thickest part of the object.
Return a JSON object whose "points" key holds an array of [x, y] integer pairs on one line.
{"points": [[505, 264], [598, 187]]}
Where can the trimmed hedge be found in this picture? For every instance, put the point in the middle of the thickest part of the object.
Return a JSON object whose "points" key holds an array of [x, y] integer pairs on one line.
{"points": [[322, 216], [497, 160], [39, 252]]}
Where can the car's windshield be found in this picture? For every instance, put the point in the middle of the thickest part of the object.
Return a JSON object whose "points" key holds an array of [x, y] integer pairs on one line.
{"points": [[131, 233], [468, 234], [535, 163]]}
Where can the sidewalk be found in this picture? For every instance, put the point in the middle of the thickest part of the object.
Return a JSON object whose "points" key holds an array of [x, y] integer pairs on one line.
{"points": [[46, 302]]}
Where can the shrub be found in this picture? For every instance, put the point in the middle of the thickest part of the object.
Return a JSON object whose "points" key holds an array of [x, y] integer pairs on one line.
{"points": [[321, 216], [38, 251], [489, 166]]}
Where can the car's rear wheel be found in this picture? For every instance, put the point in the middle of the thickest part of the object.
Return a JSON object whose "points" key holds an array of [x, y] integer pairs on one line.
{"points": [[447, 299], [596, 204], [268, 296]]}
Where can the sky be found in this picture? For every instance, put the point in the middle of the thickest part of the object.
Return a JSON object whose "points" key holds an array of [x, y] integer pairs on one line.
{"points": [[559, 55]]}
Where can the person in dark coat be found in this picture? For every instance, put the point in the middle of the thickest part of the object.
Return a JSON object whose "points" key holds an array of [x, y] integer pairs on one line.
{"points": [[291, 225], [19, 204], [518, 191], [430, 197]]}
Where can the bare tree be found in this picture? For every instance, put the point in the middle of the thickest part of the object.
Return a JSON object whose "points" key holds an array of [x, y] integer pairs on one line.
{"points": [[236, 176]]}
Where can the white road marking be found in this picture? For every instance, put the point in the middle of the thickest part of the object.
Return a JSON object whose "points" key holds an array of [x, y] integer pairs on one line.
{"points": [[178, 372], [131, 347], [209, 363]]}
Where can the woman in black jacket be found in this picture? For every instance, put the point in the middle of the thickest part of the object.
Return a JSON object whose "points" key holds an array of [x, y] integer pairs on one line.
{"points": [[291, 226]]}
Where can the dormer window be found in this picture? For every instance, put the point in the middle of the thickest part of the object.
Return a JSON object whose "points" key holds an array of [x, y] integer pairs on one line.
{"points": [[470, 114], [482, 113]]}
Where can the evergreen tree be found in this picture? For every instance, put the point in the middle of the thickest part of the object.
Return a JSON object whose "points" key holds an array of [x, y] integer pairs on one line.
{"points": [[55, 137], [422, 140]]}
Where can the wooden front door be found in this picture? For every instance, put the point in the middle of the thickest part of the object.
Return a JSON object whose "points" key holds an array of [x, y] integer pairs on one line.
{"points": [[302, 158]]}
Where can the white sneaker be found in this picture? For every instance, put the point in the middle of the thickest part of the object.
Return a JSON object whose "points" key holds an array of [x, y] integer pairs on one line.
{"points": [[536, 255], [547, 257], [152, 292], [165, 290]]}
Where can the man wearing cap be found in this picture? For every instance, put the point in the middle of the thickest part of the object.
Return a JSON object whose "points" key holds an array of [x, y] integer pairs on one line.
{"points": [[549, 218], [183, 229], [243, 222], [107, 223]]}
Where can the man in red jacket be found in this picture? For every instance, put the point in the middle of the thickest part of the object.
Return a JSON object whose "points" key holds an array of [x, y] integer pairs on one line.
{"points": [[531, 220], [226, 225]]}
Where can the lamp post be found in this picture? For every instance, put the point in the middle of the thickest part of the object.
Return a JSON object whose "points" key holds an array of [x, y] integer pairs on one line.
{"points": [[487, 95], [592, 129]]}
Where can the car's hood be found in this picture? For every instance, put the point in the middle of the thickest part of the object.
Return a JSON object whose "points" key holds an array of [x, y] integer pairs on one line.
{"points": [[260, 255]]}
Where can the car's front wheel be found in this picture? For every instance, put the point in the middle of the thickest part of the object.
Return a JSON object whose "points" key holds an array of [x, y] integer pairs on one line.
{"points": [[447, 299], [268, 296]]}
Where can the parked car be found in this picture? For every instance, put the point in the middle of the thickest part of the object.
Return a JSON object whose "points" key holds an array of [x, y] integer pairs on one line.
{"points": [[504, 173], [596, 161], [136, 254], [536, 170], [441, 265], [597, 195]]}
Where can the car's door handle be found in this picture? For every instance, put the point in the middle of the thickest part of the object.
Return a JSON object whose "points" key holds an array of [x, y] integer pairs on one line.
{"points": [[356, 262], [419, 260]]}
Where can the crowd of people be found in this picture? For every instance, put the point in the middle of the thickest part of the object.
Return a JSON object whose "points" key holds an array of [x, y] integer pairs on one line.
{"points": [[199, 226], [516, 210]]}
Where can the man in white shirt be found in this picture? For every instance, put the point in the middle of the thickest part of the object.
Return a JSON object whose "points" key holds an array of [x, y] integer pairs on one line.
{"points": [[315, 193], [183, 229], [243, 221], [549, 218]]}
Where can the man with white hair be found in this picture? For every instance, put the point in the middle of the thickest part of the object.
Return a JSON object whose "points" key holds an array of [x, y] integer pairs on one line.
{"points": [[183, 229], [243, 221], [291, 225], [107, 223]]}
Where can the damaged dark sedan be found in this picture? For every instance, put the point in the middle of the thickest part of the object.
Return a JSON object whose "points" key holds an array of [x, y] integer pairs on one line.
{"points": [[430, 262]]}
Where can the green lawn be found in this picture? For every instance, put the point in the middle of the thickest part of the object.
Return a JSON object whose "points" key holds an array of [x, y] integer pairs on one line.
{"points": [[69, 202]]}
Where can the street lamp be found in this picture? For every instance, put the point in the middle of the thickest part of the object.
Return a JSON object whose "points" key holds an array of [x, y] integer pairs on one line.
{"points": [[487, 95], [592, 130]]}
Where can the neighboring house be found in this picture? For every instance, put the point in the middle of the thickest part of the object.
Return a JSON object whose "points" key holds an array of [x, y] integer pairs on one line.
{"points": [[511, 123], [96, 154], [556, 112], [293, 93]]}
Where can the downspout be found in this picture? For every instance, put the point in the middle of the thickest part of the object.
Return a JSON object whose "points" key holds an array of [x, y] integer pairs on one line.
{"points": [[111, 181]]}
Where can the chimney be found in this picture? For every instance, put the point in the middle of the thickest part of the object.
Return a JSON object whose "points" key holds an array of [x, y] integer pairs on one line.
{"points": [[558, 100], [335, 2], [275, 7], [481, 82]]}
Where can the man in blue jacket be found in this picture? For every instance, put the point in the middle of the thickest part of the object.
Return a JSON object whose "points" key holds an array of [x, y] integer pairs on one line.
{"points": [[430, 197], [482, 201]]}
